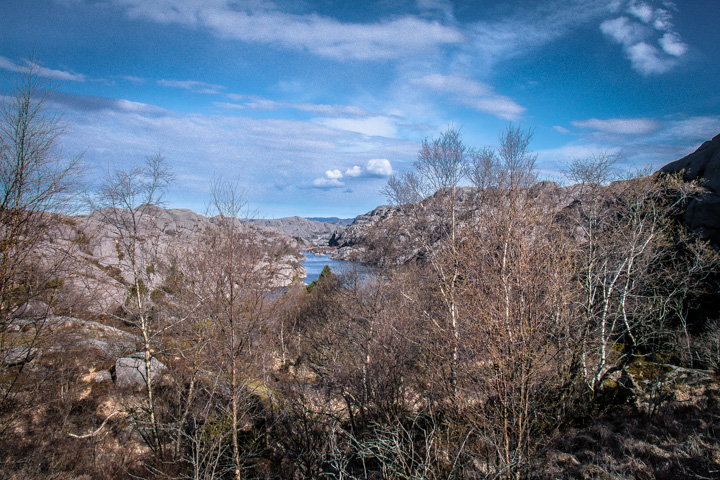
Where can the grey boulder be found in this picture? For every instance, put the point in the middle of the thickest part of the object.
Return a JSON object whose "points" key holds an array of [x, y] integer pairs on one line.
{"points": [[130, 371]]}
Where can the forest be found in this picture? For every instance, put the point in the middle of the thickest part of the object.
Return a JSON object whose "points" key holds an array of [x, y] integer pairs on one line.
{"points": [[511, 327]]}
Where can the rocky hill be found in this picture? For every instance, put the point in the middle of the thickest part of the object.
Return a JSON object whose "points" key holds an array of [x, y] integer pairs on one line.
{"points": [[703, 165], [381, 231], [96, 261], [309, 231]]}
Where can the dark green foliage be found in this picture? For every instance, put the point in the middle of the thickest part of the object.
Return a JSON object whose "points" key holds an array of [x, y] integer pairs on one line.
{"points": [[325, 274]]}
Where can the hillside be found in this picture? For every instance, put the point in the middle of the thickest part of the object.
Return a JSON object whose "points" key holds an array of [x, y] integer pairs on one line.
{"points": [[312, 232], [100, 274], [364, 239]]}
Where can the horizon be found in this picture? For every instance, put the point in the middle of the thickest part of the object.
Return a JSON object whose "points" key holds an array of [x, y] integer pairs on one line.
{"points": [[312, 105]]}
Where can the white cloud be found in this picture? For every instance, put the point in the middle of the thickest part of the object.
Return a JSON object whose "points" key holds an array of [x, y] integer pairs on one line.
{"points": [[61, 75], [642, 11], [667, 141], [328, 183], [623, 30], [380, 167], [672, 45], [533, 25], [330, 180], [638, 39], [663, 20], [333, 174], [257, 103], [86, 103], [273, 158], [317, 34], [355, 171], [623, 126], [471, 93], [378, 126], [696, 129], [647, 59], [7, 64], [192, 85]]}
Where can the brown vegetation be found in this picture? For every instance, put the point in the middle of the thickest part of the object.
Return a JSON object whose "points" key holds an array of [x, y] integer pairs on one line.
{"points": [[503, 335]]}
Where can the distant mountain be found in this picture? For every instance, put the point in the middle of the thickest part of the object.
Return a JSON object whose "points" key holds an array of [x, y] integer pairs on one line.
{"points": [[344, 222], [310, 231]]}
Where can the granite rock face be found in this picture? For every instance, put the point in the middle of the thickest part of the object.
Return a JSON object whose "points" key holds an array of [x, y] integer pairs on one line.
{"points": [[703, 165], [101, 272], [407, 233]]}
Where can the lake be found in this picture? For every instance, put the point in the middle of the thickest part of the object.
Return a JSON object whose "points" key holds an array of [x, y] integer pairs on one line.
{"points": [[315, 263]]}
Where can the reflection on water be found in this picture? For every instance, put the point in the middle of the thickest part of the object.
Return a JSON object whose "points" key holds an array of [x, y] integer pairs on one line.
{"points": [[315, 263]]}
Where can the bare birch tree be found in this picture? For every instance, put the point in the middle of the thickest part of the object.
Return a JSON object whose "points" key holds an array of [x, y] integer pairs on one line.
{"points": [[36, 181], [125, 202]]}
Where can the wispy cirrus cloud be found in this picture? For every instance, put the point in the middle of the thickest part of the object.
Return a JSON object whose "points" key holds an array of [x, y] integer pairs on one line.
{"points": [[638, 142], [619, 126], [320, 35], [193, 86], [88, 103], [375, 126], [276, 159], [531, 26], [60, 75], [257, 103], [471, 93]]}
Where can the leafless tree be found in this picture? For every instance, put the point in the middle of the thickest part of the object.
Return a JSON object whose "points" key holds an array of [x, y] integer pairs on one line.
{"points": [[125, 201], [441, 166], [227, 277], [36, 182], [634, 277]]}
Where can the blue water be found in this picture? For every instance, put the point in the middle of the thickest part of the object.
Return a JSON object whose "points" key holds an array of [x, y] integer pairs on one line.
{"points": [[314, 265]]}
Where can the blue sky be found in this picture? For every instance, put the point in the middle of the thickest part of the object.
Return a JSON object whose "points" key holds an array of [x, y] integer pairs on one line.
{"points": [[312, 104]]}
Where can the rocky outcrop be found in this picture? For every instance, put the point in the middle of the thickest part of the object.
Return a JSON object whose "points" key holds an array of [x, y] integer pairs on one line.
{"points": [[406, 233], [352, 241], [311, 232], [703, 165]]}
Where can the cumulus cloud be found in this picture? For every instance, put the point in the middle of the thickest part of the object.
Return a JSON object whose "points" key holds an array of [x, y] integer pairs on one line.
{"points": [[471, 93], [623, 30], [354, 171], [622, 126], [379, 167], [256, 22], [646, 37], [324, 182], [330, 180]]}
